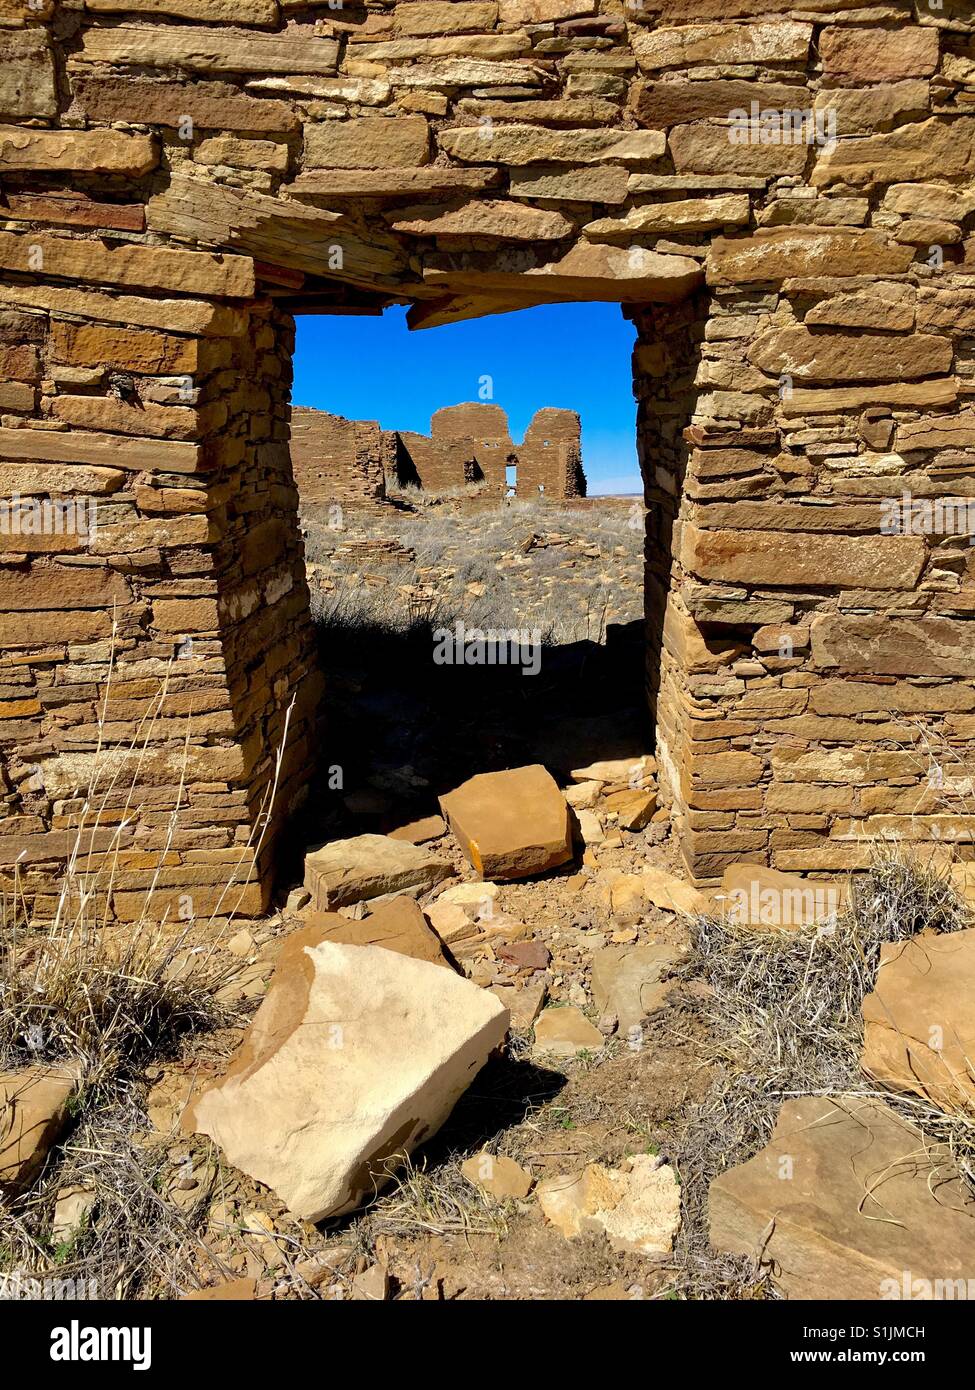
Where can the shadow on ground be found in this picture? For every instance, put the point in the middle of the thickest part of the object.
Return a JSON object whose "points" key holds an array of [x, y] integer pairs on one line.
{"points": [[398, 730]]}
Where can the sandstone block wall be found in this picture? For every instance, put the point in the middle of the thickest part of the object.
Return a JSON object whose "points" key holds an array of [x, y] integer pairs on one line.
{"points": [[339, 460], [472, 443], [348, 461], [177, 180]]}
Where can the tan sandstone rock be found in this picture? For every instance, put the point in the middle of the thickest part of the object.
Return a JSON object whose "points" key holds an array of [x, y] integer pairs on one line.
{"points": [[754, 896], [33, 1113], [671, 893], [398, 925], [631, 981], [499, 1176], [636, 1207], [510, 824], [564, 1031], [367, 866], [356, 1055], [845, 1199], [919, 1019]]}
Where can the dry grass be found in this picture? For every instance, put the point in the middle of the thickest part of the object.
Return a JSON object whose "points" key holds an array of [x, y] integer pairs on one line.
{"points": [[782, 1010], [436, 1200], [455, 572], [106, 998]]}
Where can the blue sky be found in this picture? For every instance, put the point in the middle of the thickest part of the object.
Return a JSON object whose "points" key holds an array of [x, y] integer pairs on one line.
{"points": [[571, 355]]}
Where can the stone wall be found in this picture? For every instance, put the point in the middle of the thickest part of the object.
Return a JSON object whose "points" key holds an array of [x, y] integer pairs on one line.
{"points": [[471, 443], [176, 185], [348, 461], [339, 460]]}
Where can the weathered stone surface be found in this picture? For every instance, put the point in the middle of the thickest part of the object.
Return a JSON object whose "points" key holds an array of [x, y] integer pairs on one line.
{"points": [[636, 771], [275, 229], [92, 345], [397, 925], [585, 272], [862, 111], [885, 305], [937, 432], [672, 894], [864, 1202], [765, 899], [367, 866], [391, 183], [878, 562], [368, 142], [419, 832], [787, 210], [233, 152], [706, 149], [190, 272], [527, 144], [919, 1023], [33, 1113], [683, 46], [637, 1207], [929, 200], [27, 86], [488, 220], [781, 252], [103, 450], [632, 809], [828, 400], [569, 111], [209, 105], [445, 16], [797, 352], [447, 74], [199, 49], [565, 1031], [908, 153], [497, 1175], [214, 11], [631, 981], [888, 645], [686, 215], [542, 11], [851, 54], [356, 1055], [662, 104], [510, 824], [477, 899], [589, 184], [81, 151]]}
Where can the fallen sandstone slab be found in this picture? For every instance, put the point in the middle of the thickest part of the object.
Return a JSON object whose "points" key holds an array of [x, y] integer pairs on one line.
{"points": [[510, 824], [919, 1020], [765, 899], [846, 1201], [357, 1055], [33, 1113], [368, 866]]}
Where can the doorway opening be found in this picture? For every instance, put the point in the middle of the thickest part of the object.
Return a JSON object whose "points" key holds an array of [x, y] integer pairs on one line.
{"points": [[485, 483]]}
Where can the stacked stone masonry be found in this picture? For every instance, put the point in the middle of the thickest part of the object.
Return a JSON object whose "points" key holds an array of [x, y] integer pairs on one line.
{"points": [[472, 444], [349, 461], [339, 460], [180, 177]]}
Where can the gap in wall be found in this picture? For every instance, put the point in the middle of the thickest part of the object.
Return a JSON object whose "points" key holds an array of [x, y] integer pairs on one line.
{"points": [[390, 576]]}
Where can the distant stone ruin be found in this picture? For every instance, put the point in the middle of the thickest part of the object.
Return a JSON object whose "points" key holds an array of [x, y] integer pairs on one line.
{"points": [[338, 460]]}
